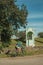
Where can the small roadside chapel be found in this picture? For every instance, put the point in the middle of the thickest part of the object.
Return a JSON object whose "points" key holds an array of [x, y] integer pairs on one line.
{"points": [[30, 37]]}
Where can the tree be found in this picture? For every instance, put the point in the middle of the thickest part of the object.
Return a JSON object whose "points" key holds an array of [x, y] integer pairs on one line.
{"points": [[40, 34], [5, 37], [22, 36], [11, 14]]}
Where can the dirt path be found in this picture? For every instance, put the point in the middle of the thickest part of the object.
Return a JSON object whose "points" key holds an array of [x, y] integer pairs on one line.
{"points": [[28, 60]]}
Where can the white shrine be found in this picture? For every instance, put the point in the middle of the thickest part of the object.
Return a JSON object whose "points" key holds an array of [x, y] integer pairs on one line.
{"points": [[29, 37]]}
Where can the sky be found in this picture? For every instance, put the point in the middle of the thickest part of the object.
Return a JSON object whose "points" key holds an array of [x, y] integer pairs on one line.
{"points": [[35, 16]]}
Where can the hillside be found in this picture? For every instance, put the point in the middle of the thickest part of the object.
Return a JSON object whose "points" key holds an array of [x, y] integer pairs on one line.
{"points": [[39, 41], [38, 49]]}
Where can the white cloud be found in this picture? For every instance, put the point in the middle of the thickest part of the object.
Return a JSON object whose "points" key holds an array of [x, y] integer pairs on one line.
{"points": [[35, 16], [35, 24]]}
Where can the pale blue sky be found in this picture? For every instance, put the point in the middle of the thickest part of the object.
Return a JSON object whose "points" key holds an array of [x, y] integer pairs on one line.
{"points": [[35, 16]]}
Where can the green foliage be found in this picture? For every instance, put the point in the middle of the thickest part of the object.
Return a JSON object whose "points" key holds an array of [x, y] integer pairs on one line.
{"points": [[11, 15], [5, 37], [40, 34]]}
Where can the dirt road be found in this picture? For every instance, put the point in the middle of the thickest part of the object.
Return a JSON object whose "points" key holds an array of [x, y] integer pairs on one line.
{"points": [[33, 60]]}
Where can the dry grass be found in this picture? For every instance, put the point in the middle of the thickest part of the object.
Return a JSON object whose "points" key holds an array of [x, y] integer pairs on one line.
{"points": [[28, 51], [39, 41]]}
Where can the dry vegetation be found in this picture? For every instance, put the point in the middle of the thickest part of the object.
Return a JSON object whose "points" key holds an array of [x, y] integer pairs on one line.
{"points": [[38, 49]]}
